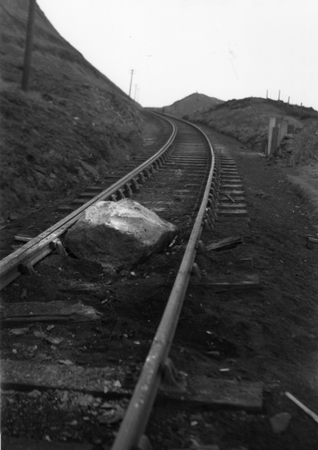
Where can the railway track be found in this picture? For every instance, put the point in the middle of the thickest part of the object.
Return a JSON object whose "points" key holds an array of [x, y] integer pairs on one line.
{"points": [[111, 187], [106, 361]]}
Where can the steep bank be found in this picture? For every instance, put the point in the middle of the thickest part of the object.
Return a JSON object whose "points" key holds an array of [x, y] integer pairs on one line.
{"points": [[247, 120], [72, 126]]}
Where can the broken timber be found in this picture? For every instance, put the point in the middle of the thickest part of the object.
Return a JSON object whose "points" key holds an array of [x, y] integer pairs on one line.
{"points": [[13, 443], [311, 241], [31, 375], [229, 284], [57, 311], [20, 238], [112, 382], [224, 244], [221, 394], [77, 287]]}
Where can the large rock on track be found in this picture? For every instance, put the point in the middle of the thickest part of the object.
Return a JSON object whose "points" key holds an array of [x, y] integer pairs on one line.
{"points": [[118, 234]]}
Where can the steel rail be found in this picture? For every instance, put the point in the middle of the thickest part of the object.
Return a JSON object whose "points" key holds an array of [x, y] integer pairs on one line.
{"points": [[37, 248], [135, 421]]}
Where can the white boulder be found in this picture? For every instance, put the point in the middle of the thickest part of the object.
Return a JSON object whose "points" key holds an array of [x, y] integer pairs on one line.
{"points": [[118, 234]]}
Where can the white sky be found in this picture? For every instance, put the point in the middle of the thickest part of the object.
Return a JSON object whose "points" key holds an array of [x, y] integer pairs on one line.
{"points": [[222, 48]]}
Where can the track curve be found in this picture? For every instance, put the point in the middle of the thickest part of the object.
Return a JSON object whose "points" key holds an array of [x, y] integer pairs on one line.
{"points": [[182, 186]]}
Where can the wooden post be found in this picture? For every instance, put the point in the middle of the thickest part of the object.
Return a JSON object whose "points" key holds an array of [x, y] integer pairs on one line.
{"points": [[274, 143], [272, 122], [28, 46], [131, 78]]}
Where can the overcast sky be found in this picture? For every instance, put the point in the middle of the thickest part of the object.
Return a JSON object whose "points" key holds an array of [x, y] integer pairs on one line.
{"points": [[222, 48]]}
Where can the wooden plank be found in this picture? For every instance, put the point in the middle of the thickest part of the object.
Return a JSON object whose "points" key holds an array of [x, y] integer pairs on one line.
{"points": [[224, 244], [221, 394], [20, 238], [29, 374], [228, 198], [51, 311], [249, 261], [232, 212], [231, 206], [230, 283], [231, 192], [313, 415], [110, 381], [80, 201], [232, 185], [239, 219], [63, 208], [311, 242], [10, 443], [79, 287]]}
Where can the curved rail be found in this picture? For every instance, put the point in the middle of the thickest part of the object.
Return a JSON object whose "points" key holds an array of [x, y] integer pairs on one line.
{"points": [[136, 417], [37, 248]]}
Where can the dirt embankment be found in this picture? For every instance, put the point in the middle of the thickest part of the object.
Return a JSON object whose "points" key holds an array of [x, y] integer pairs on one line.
{"points": [[247, 120], [70, 128]]}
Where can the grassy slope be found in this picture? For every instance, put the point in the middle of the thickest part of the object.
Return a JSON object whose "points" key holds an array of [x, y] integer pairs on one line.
{"points": [[247, 120], [72, 116]]}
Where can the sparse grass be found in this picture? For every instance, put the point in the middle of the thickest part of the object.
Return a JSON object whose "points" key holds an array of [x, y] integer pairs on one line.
{"points": [[248, 119], [72, 113]]}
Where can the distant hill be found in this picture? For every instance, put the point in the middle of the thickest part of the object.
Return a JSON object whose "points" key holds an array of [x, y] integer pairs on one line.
{"points": [[71, 126], [190, 104]]}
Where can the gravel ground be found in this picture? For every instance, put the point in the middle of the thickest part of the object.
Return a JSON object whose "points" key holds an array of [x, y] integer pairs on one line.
{"points": [[268, 334]]}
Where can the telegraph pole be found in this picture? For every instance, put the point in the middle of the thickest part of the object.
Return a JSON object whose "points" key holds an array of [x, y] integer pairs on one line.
{"points": [[131, 78], [28, 46]]}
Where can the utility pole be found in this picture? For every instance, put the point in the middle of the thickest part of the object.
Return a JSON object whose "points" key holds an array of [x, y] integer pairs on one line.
{"points": [[28, 46], [131, 78]]}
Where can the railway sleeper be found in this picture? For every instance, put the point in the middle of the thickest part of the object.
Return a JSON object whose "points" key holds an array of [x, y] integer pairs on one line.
{"points": [[142, 178], [135, 185], [173, 386], [120, 194], [127, 190]]}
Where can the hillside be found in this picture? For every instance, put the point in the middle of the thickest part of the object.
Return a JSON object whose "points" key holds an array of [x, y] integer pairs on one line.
{"points": [[192, 103], [72, 126], [248, 119]]}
